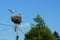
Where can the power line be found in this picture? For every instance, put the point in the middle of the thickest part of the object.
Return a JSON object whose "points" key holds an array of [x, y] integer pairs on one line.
{"points": [[21, 30], [3, 30], [5, 24], [8, 25]]}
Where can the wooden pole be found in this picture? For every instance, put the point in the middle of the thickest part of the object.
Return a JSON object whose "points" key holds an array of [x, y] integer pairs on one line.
{"points": [[17, 37]]}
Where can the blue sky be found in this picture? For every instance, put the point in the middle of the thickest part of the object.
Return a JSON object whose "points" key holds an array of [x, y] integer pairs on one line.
{"points": [[49, 10]]}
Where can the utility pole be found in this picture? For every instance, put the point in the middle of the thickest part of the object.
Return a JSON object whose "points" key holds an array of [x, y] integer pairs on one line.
{"points": [[17, 20], [17, 37]]}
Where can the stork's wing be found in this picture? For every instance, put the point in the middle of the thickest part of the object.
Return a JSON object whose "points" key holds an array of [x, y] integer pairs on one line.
{"points": [[11, 11]]}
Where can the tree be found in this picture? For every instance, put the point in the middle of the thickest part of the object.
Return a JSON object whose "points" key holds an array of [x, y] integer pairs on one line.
{"points": [[56, 35], [39, 31]]}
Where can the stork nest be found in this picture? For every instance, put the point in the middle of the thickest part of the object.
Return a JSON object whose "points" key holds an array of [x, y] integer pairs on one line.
{"points": [[16, 19]]}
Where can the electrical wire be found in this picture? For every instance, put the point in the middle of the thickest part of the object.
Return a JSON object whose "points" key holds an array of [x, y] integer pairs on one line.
{"points": [[5, 24], [5, 29], [21, 31], [10, 26]]}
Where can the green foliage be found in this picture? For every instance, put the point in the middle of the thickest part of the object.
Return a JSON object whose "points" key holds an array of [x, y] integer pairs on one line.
{"points": [[56, 34], [39, 31]]}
